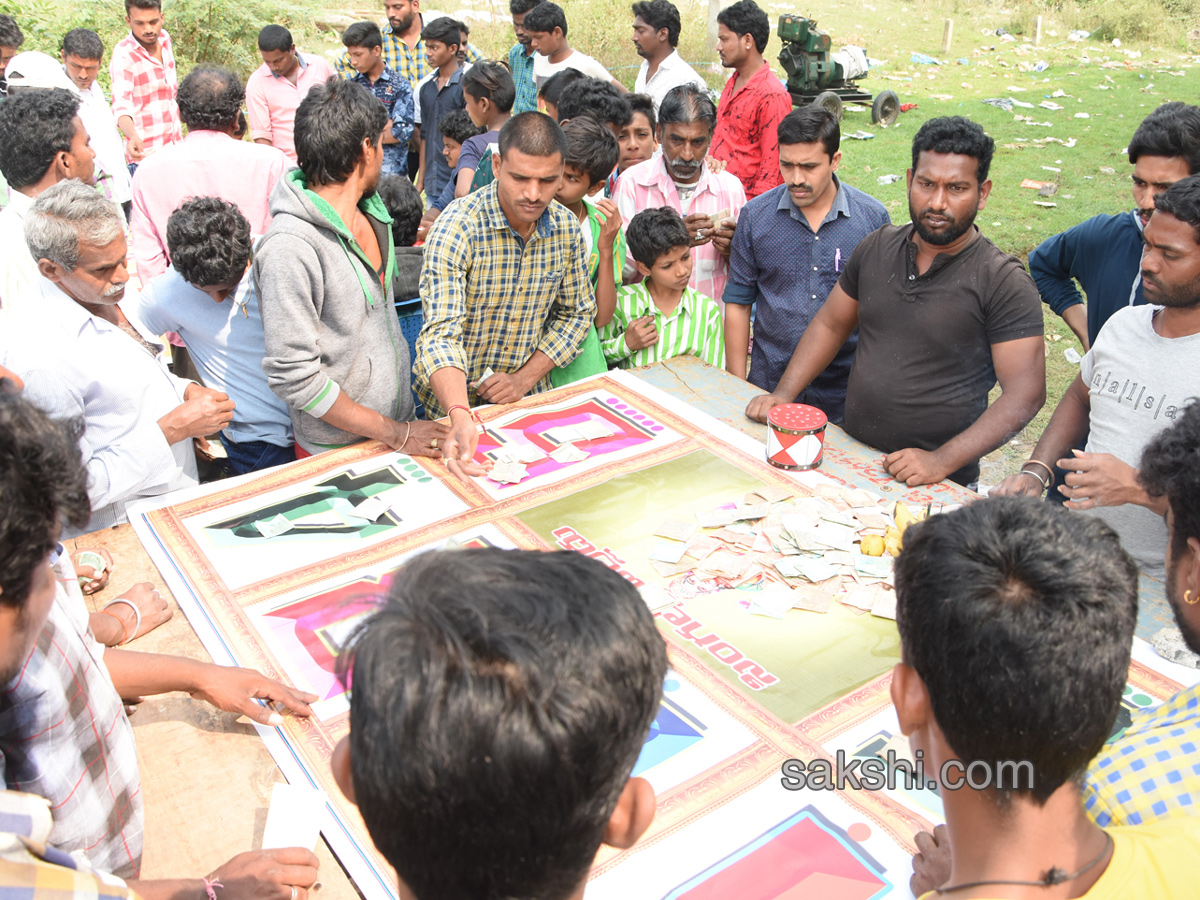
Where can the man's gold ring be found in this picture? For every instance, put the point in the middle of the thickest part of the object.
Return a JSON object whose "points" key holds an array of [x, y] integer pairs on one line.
{"points": [[433, 443]]}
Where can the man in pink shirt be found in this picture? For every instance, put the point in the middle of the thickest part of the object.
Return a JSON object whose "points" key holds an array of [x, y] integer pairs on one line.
{"points": [[209, 162], [275, 89], [142, 76], [677, 176], [753, 102]]}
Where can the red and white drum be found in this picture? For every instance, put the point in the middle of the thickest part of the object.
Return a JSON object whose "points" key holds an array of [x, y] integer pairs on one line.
{"points": [[795, 436]]}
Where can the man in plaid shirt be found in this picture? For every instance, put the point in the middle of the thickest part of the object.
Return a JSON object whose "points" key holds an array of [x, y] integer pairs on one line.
{"points": [[143, 78], [64, 734], [403, 49]]}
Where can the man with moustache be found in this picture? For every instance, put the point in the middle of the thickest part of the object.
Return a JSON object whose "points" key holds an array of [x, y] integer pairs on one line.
{"points": [[1136, 380], [81, 358], [942, 316], [1104, 254], [676, 176], [789, 249], [143, 78], [505, 286], [520, 58]]}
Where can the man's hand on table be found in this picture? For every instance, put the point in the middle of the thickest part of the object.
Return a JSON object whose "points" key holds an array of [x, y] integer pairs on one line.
{"points": [[913, 467], [931, 863], [1023, 484], [152, 610], [234, 690], [459, 450], [267, 875], [418, 437], [759, 406]]}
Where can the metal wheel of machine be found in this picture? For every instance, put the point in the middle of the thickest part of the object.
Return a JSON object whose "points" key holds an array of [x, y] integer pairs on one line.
{"points": [[831, 102], [886, 109]]}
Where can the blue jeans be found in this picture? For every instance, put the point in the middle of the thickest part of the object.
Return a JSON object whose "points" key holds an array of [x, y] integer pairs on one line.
{"points": [[252, 456]]}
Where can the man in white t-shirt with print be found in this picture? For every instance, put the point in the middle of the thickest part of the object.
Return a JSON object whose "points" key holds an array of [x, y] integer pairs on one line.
{"points": [[1135, 381]]}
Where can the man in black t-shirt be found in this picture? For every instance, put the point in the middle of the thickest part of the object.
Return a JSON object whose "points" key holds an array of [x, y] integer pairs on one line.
{"points": [[942, 315]]}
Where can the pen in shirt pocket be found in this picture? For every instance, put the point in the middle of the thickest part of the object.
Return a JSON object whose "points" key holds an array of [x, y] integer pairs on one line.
{"points": [[837, 260]]}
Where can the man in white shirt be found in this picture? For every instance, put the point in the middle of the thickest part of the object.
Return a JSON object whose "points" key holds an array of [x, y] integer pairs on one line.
{"points": [[42, 141], [82, 52], [81, 358], [655, 36], [546, 26]]}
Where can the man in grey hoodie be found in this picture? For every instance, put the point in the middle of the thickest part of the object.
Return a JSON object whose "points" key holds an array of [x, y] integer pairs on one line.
{"points": [[324, 272]]}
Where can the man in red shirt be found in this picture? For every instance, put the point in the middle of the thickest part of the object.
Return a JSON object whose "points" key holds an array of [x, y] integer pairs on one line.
{"points": [[753, 102]]}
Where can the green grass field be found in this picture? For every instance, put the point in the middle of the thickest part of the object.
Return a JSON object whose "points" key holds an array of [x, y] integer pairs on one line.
{"points": [[1113, 86]]}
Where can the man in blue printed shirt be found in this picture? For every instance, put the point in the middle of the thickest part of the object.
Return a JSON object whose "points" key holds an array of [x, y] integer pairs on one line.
{"points": [[789, 248], [364, 45]]}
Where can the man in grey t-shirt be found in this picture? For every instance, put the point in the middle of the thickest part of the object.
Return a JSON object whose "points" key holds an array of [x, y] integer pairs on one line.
{"points": [[1137, 378]]}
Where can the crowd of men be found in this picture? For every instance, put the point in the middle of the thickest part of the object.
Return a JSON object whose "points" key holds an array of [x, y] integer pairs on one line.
{"points": [[265, 231]]}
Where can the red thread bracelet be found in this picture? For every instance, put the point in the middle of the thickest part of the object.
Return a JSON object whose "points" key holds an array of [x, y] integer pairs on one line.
{"points": [[470, 412]]}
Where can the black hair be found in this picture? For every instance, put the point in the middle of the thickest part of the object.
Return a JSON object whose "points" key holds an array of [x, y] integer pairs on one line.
{"points": [[492, 80], [1170, 467], [545, 17], [745, 17], [1173, 129], [404, 205], [1018, 615], [35, 126], [332, 122], [208, 240], [1182, 200], [444, 30], [518, 7], [275, 38], [533, 134], [457, 126], [131, 5], [644, 104], [660, 14], [954, 134], [82, 43], [42, 479], [499, 701], [362, 34], [556, 85], [810, 124], [685, 104], [10, 33], [599, 99], [653, 232], [210, 99], [591, 148]]}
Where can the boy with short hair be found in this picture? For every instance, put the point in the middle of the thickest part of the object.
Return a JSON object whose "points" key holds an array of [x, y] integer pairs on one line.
{"points": [[364, 46], [438, 96], [404, 205], [512, 660], [552, 89], [661, 316], [1016, 619], [591, 155], [456, 129], [546, 27]]}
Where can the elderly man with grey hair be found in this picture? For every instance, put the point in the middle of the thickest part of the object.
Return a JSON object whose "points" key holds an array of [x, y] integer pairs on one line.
{"points": [[677, 177], [81, 358]]}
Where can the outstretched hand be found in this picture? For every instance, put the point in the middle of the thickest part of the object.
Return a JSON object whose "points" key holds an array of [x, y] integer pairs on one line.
{"points": [[283, 874], [235, 689]]}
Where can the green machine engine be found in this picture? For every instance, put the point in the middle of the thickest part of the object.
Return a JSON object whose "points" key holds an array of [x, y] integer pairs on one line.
{"points": [[817, 75]]}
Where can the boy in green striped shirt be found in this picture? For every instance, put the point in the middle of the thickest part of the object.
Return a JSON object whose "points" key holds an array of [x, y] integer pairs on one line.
{"points": [[660, 316]]}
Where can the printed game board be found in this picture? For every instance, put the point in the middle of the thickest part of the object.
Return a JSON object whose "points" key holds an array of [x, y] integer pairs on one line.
{"points": [[778, 619]]}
